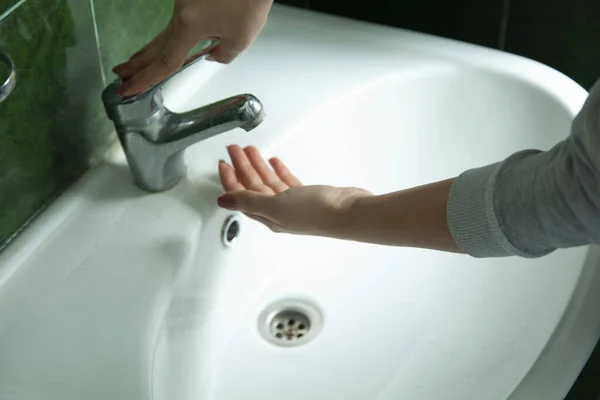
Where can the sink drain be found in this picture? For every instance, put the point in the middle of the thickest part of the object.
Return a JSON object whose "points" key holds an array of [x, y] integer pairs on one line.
{"points": [[230, 231], [290, 323]]}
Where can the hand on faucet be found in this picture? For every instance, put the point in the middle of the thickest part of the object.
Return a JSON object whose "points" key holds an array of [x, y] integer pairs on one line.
{"points": [[235, 23]]}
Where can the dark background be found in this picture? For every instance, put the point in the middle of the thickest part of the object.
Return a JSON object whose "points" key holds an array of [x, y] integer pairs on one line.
{"points": [[564, 34]]}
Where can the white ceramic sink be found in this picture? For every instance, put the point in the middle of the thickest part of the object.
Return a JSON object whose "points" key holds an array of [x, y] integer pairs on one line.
{"points": [[114, 293]]}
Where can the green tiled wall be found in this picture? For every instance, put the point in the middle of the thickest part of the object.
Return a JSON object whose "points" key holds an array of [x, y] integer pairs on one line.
{"points": [[6, 5], [52, 125]]}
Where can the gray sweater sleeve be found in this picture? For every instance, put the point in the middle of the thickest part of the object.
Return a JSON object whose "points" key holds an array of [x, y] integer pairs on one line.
{"points": [[533, 202]]}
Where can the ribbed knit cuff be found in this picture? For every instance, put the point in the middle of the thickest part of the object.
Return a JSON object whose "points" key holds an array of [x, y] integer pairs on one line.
{"points": [[472, 217]]}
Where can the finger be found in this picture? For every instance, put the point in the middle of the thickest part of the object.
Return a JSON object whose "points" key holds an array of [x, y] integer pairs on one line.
{"points": [[153, 48], [238, 38], [223, 54], [117, 69], [230, 46], [267, 175], [138, 63], [158, 39], [144, 58], [204, 51], [169, 61], [284, 173], [249, 201], [246, 173], [228, 178], [153, 73]]}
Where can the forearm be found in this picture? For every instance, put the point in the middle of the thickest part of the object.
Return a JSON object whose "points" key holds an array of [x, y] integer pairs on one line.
{"points": [[528, 205], [414, 217]]}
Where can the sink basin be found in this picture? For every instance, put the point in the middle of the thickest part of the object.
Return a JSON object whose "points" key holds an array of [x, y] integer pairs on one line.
{"points": [[117, 293]]}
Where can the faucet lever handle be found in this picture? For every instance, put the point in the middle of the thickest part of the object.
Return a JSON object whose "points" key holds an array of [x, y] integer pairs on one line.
{"points": [[121, 109], [201, 54]]}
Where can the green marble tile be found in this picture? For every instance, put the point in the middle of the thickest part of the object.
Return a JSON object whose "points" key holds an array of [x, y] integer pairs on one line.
{"points": [[53, 124], [125, 26], [8, 6]]}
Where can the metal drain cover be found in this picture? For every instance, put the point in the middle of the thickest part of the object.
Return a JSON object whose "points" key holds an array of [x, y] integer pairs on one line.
{"points": [[290, 322], [290, 325]]}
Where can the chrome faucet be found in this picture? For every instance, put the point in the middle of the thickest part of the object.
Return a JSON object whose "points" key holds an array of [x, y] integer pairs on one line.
{"points": [[154, 138]]}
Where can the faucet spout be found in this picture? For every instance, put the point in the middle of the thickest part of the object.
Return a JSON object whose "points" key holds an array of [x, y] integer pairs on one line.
{"points": [[154, 138], [158, 165], [243, 111]]}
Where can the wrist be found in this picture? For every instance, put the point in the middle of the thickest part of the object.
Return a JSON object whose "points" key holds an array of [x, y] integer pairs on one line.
{"points": [[349, 213]]}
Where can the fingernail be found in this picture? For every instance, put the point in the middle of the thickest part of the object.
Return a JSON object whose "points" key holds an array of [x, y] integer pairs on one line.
{"points": [[209, 57], [120, 91], [119, 69], [227, 201]]}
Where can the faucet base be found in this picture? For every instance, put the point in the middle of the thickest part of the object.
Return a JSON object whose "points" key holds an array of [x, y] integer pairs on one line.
{"points": [[155, 167], [149, 189]]}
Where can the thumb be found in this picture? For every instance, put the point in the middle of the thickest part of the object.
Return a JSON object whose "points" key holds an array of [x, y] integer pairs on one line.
{"points": [[223, 54], [248, 201], [228, 49]]}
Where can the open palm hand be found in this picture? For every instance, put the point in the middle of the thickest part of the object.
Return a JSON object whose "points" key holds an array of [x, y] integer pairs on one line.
{"points": [[271, 194]]}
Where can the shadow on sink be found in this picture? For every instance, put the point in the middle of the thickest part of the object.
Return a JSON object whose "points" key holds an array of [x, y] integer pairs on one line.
{"points": [[115, 183], [112, 182]]}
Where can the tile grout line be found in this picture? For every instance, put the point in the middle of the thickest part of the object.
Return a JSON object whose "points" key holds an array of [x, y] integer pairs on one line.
{"points": [[504, 24], [11, 9], [96, 33]]}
